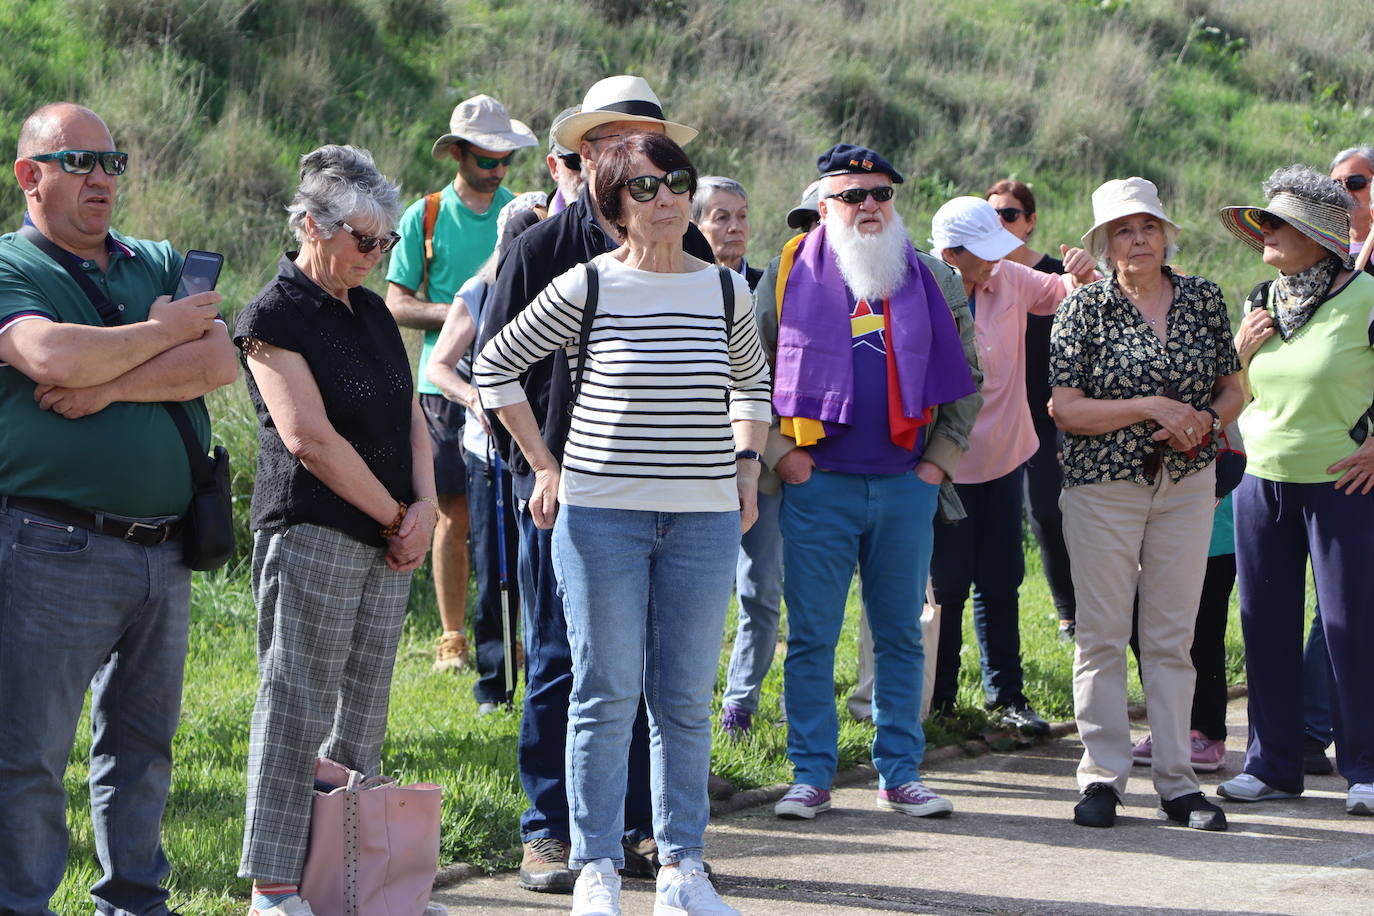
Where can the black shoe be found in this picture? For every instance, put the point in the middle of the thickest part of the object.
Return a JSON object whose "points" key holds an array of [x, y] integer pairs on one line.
{"points": [[1097, 807], [641, 858], [1020, 716], [1193, 810], [1314, 759], [1067, 631]]}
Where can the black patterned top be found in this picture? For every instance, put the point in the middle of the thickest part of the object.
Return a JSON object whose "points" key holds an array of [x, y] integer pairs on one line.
{"points": [[1103, 346]]}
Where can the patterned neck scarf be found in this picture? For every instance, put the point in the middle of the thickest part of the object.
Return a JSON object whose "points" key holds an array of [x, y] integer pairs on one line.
{"points": [[1296, 297]]}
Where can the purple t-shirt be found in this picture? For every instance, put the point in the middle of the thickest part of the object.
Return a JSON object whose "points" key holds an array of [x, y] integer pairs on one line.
{"points": [[866, 446]]}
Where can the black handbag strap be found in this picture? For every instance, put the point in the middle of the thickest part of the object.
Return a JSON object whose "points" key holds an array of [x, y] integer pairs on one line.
{"points": [[108, 313], [201, 471]]}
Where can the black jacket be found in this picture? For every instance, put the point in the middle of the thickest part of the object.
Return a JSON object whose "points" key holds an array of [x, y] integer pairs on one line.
{"points": [[528, 264]]}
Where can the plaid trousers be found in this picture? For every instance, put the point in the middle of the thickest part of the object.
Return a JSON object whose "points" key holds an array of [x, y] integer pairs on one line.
{"points": [[329, 619]]}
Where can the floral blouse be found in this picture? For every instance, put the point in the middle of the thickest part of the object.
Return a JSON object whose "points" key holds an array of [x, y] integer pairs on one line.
{"points": [[1104, 347]]}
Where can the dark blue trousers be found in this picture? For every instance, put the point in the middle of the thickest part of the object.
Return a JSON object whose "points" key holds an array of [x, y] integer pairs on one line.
{"points": [[1044, 483], [1278, 526], [487, 630]]}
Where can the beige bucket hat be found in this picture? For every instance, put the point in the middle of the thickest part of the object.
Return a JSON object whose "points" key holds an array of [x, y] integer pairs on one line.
{"points": [[485, 123], [1124, 197], [619, 98]]}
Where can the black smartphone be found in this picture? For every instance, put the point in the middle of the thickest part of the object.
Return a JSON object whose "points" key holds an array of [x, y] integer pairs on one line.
{"points": [[199, 273]]}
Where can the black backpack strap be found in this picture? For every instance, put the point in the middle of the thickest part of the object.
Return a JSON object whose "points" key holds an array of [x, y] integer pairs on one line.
{"points": [[1258, 298], [109, 314], [584, 335], [727, 295]]}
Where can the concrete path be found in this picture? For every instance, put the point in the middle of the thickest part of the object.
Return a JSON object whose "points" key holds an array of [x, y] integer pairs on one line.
{"points": [[1010, 847]]}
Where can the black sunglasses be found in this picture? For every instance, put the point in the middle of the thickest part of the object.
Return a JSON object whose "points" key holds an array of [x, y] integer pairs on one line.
{"points": [[856, 196], [82, 161], [1269, 221], [573, 161], [644, 188], [1011, 214], [368, 242], [1355, 182]]}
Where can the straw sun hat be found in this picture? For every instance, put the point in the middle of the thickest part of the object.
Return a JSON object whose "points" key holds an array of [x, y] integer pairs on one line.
{"points": [[1326, 224]]}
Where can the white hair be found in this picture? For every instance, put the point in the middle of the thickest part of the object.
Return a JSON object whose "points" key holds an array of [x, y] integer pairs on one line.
{"points": [[873, 265], [339, 183]]}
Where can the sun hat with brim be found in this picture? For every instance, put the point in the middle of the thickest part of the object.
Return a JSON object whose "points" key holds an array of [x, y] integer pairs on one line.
{"points": [[1124, 197], [485, 123], [555, 147], [809, 209], [972, 223], [1326, 224], [619, 98]]}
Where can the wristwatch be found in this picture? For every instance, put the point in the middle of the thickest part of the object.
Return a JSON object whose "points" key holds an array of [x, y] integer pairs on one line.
{"points": [[748, 454], [1216, 419]]}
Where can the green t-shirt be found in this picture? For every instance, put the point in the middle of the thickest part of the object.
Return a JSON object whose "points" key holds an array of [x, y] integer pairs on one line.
{"points": [[128, 459], [463, 241], [1310, 390]]}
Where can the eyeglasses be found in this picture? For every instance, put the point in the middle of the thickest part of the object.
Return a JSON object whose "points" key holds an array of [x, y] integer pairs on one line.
{"points": [[856, 196], [1269, 221], [1355, 182], [645, 187], [368, 242], [572, 160], [1011, 214], [82, 161], [490, 162]]}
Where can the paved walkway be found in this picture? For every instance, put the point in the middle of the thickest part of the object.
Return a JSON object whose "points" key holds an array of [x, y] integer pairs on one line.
{"points": [[1010, 847]]}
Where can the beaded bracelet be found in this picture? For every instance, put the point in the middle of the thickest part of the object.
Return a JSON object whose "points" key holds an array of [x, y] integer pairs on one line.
{"points": [[395, 526]]}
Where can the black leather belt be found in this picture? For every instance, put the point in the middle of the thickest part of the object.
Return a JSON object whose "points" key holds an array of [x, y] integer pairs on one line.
{"points": [[145, 532]]}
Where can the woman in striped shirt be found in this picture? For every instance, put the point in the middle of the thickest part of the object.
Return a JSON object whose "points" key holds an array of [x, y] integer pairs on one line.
{"points": [[670, 409]]}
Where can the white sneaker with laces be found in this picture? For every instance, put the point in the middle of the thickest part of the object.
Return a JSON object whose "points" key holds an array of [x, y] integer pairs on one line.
{"points": [[686, 891], [291, 906], [1248, 788], [597, 890], [1361, 799]]}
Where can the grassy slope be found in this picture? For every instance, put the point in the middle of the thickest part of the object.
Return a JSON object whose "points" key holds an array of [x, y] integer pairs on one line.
{"points": [[217, 99]]}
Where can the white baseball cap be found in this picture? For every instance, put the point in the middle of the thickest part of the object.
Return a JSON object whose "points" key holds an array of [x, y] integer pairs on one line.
{"points": [[972, 223]]}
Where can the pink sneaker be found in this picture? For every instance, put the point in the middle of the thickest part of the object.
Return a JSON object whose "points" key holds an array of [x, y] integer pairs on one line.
{"points": [[915, 799], [1142, 755], [1207, 756], [802, 802]]}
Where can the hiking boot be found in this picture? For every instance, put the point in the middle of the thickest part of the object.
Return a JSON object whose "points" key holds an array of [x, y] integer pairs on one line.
{"points": [[597, 890], [1142, 755], [1360, 800], [915, 799], [1247, 788], [735, 721], [1193, 810], [802, 802], [1019, 715], [1097, 807], [544, 867], [641, 857], [718, 787], [1205, 754], [1314, 759], [686, 891], [452, 652]]}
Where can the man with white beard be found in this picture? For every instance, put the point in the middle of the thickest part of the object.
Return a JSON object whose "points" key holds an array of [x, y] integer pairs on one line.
{"points": [[875, 393]]}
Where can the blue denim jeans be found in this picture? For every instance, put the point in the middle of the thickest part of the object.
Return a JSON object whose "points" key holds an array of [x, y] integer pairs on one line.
{"points": [[645, 595], [544, 718], [79, 609], [758, 586], [488, 632], [882, 522]]}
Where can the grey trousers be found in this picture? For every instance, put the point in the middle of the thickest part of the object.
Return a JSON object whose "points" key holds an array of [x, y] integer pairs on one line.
{"points": [[329, 619]]}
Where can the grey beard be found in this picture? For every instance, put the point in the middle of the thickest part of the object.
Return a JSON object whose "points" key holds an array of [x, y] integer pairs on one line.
{"points": [[873, 266]]}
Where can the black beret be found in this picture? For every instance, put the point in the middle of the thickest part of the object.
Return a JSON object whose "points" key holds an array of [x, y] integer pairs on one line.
{"points": [[846, 158]]}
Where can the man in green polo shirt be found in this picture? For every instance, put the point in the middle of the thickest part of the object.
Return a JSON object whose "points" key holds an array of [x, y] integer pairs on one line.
{"points": [[427, 268], [93, 480]]}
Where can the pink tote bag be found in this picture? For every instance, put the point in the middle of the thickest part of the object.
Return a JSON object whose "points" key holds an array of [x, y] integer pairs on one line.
{"points": [[374, 845]]}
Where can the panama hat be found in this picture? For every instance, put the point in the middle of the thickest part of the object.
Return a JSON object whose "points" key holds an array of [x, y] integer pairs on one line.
{"points": [[619, 98], [1124, 197], [485, 123], [1326, 224]]}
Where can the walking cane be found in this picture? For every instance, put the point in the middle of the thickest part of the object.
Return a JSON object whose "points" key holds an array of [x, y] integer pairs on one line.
{"points": [[507, 643]]}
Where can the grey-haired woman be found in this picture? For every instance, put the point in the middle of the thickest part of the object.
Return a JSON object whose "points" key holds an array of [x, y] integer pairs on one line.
{"points": [[1307, 345], [343, 508]]}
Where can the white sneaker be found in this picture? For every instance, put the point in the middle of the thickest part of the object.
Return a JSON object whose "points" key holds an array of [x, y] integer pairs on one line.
{"points": [[686, 891], [597, 890], [291, 906], [1361, 799], [435, 909], [1247, 788]]}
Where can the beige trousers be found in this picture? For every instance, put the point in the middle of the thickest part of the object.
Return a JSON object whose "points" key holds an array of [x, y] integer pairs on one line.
{"points": [[1123, 537]]}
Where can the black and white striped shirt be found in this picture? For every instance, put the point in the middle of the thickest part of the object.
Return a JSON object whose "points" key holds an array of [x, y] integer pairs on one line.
{"points": [[650, 429]]}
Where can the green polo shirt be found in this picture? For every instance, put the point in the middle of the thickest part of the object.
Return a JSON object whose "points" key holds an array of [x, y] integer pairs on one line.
{"points": [[128, 459], [463, 241]]}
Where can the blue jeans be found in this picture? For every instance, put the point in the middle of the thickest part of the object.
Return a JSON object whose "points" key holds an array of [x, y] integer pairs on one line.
{"points": [[79, 609], [645, 595], [982, 552], [483, 534], [758, 585], [544, 718], [882, 522]]}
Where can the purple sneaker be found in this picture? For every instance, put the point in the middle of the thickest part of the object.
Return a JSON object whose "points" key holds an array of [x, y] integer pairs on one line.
{"points": [[802, 802], [915, 799], [735, 721], [1207, 756]]}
